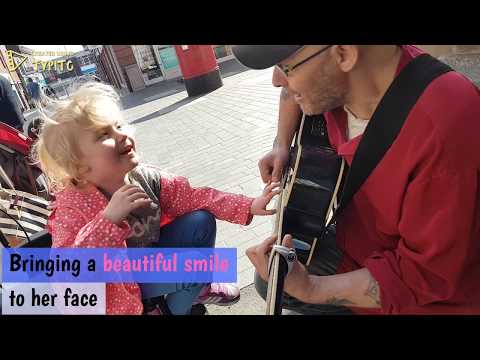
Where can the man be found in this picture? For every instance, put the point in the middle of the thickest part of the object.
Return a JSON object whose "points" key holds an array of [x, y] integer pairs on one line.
{"points": [[409, 240], [35, 92], [10, 113]]}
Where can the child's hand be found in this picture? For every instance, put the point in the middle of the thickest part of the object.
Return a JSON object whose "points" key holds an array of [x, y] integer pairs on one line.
{"points": [[124, 201], [260, 203]]}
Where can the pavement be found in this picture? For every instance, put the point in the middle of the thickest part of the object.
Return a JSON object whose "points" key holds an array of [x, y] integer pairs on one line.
{"points": [[467, 64], [214, 140]]}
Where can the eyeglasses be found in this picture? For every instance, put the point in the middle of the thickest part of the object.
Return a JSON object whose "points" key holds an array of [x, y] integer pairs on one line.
{"points": [[286, 69]]}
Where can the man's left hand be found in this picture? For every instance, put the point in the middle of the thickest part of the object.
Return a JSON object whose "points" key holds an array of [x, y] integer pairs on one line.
{"points": [[297, 283]]}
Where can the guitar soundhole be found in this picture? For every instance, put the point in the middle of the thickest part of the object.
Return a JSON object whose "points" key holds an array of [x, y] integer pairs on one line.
{"points": [[318, 128], [315, 132]]}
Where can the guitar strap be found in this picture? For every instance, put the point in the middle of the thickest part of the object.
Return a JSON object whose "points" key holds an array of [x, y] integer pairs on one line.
{"points": [[387, 121]]}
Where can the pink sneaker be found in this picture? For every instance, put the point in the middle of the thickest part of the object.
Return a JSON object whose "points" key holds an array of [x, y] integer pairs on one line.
{"points": [[221, 294], [155, 311]]}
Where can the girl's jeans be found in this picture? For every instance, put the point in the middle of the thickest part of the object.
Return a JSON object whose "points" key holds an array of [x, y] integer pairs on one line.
{"points": [[195, 229]]}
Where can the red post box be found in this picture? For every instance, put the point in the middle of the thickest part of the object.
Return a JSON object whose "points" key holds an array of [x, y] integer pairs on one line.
{"points": [[199, 68]]}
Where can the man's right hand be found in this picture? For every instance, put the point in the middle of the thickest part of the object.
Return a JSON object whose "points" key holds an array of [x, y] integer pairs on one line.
{"points": [[124, 201], [271, 165]]}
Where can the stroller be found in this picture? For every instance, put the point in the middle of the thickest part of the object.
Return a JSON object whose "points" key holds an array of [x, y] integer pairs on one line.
{"points": [[24, 195]]}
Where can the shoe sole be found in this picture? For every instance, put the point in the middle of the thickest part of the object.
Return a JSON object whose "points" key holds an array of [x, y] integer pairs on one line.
{"points": [[224, 304]]}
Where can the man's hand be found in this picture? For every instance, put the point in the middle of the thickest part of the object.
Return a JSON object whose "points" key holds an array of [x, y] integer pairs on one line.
{"points": [[259, 205], [297, 284], [272, 164]]}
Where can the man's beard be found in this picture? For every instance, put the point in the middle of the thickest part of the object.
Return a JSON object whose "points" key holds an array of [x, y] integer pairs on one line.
{"points": [[319, 106], [328, 95]]}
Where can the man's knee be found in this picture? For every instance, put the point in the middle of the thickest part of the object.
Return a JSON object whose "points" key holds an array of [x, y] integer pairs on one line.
{"points": [[297, 306], [260, 286]]}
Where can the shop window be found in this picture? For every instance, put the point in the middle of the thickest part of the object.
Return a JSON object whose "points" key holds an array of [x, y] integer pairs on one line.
{"points": [[147, 61], [220, 51]]}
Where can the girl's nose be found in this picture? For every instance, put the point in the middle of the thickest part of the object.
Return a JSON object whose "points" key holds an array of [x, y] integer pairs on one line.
{"points": [[120, 134]]}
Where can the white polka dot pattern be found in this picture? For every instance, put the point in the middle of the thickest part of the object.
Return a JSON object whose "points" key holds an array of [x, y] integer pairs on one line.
{"points": [[77, 222], [178, 197]]}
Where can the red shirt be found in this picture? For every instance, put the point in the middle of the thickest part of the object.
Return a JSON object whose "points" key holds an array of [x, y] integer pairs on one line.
{"points": [[415, 222]]}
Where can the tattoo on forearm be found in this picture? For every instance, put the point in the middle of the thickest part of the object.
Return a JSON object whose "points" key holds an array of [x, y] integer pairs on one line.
{"points": [[338, 302], [373, 290], [284, 94]]}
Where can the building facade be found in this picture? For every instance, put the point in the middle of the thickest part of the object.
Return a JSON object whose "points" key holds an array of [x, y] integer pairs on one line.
{"points": [[134, 67]]}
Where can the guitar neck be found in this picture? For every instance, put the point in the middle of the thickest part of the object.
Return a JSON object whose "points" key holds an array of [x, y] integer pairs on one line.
{"points": [[274, 260], [277, 266]]}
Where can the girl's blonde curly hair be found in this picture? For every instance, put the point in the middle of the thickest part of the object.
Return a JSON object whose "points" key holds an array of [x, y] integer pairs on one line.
{"points": [[93, 106]]}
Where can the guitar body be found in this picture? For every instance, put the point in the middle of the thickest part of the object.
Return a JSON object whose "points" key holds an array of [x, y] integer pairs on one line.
{"points": [[314, 176], [311, 182]]}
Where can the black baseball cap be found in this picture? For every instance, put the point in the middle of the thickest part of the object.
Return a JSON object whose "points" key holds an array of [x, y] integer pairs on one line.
{"points": [[263, 56]]}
